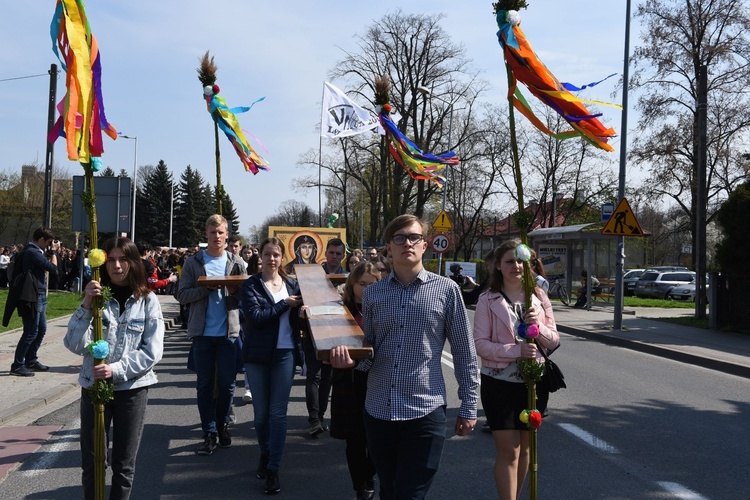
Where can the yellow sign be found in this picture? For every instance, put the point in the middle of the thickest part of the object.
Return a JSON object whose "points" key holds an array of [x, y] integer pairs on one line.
{"points": [[442, 223], [622, 222]]}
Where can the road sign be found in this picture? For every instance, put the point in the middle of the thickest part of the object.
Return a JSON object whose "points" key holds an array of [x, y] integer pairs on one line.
{"points": [[442, 223], [607, 210], [622, 222], [440, 243]]}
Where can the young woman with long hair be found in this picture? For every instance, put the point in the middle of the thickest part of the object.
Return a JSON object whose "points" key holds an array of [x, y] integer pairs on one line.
{"points": [[133, 327], [271, 303], [504, 393]]}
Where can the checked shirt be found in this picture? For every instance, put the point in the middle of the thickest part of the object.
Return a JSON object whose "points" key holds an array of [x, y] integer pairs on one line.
{"points": [[407, 326]]}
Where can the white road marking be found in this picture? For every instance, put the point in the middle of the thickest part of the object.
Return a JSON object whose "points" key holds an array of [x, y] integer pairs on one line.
{"points": [[52, 453], [674, 489], [447, 359], [679, 491], [590, 439]]}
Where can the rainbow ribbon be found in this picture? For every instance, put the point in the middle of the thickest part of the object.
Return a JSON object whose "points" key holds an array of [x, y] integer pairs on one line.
{"points": [[419, 165], [82, 117], [529, 70], [226, 118]]}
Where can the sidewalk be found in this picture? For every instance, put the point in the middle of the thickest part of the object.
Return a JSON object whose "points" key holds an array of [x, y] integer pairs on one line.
{"points": [[26, 399], [722, 351]]}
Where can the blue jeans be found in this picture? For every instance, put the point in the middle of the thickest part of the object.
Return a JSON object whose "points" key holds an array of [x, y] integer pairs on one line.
{"points": [[34, 330], [215, 368], [271, 386], [406, 453]]}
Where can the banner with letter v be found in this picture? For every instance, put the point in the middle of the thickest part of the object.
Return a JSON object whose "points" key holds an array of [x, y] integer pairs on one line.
{"points": [[342, 117]]}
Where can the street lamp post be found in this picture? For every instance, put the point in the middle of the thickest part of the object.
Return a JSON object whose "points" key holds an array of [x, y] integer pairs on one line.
{"points": [[171, 213], [135, 176], [428, 93]]}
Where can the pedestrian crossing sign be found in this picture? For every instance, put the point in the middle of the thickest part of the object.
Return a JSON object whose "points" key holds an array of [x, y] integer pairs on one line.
{"points": [[622, 222]]}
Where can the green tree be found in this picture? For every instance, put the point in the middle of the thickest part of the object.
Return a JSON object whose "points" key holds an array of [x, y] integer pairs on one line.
{"points": [[731, 253], [153, 210], [230, 213], [191, 209], [107, 172]]}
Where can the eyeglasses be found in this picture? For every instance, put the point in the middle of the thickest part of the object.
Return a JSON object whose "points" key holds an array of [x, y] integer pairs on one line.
{"points": [[381, 269], [400, 239]]}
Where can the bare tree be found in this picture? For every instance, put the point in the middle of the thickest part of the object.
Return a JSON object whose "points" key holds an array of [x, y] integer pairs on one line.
{"points": [[477, 180], [412, 50], [681, 36]]}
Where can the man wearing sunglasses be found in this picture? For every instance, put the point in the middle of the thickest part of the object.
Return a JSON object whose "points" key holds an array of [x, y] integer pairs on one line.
{"points": [[407, 318]]}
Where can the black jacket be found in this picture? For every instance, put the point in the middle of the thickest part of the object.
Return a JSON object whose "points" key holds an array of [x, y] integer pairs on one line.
{"points": [[23, 295], [261, 326]]}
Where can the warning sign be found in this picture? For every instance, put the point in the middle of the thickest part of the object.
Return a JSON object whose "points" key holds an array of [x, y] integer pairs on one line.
{"points": [[622, 222], [442, 223]]}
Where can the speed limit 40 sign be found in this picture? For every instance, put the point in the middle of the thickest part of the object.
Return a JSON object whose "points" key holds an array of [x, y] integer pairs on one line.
{"points": [[440, 243]]}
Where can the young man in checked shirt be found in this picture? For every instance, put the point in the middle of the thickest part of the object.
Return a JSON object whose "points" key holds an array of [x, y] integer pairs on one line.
{"points": [[407, 317]]}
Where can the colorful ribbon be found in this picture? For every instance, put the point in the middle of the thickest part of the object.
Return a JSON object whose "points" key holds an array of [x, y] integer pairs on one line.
{"points": [[82, 116], [226, 119], [419, 165], [530, 71]]}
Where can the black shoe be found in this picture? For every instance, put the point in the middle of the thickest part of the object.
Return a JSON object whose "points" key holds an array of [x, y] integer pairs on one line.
{"points": [[225, 439], [262, 467], [315, 428], [323, 425], [21, 371], [273, 485], [366, 495], [486, 427], [36, 366], [208, 446]]}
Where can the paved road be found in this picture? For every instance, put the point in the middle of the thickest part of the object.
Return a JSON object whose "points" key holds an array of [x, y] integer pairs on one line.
{"points": [[656, 414]]}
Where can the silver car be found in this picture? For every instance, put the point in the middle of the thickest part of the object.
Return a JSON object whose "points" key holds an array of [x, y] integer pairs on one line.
{"points": [[684, 292], [657, 284]]}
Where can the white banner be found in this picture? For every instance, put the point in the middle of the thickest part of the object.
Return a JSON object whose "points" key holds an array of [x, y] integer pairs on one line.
{"points": [[342, 117]]}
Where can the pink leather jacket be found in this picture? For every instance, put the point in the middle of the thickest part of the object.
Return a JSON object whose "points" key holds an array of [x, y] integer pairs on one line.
{"points": [[494, 336]]}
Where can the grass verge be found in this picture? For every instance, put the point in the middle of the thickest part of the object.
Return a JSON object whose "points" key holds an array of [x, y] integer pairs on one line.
{"points": [[687, 321], [58, 304]]}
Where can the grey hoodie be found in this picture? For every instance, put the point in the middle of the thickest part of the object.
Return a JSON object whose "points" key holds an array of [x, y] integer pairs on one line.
{"points": [[196, 296]]}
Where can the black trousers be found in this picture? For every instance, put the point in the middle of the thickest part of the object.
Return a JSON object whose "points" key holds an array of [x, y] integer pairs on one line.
{"points": [[127, 413]]}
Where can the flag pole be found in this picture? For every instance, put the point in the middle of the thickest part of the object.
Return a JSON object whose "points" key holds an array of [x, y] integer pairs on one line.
{"points": [[320, 159]]}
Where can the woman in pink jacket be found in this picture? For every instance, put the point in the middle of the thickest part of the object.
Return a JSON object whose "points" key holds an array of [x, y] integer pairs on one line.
{"points": [[504, 394]]}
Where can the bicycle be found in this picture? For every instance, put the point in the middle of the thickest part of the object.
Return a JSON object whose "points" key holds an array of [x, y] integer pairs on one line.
{"points": [[557, 287]]}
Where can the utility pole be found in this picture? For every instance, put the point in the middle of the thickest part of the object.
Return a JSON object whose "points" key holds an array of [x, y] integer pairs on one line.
{"points": [[620, 265], [699, 249], [50, 154]]}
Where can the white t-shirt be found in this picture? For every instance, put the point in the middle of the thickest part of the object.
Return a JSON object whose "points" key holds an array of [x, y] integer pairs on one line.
{"points": [[285, 329]]}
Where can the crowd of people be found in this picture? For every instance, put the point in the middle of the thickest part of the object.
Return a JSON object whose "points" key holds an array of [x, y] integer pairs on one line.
{"points": [[251, 318]]}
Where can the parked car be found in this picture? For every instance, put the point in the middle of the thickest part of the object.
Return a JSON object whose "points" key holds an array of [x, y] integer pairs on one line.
{"points": [[629, 279], [685, 292], [657, 284], [667, 268]]}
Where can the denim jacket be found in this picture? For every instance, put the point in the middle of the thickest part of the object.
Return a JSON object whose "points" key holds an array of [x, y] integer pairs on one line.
{"points": [[136, 341]]}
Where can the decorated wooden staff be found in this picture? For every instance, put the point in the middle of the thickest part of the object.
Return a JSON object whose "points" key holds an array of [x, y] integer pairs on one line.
{"points": [[418, 164], [82, 120], [522, 65], [225, 119]]}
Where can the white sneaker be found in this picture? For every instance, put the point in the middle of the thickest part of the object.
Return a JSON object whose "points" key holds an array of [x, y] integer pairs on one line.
{"points": [[248, 397]]}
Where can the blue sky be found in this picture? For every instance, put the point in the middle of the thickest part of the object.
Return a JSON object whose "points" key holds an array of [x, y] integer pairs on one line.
{"points": [[280, 50]]}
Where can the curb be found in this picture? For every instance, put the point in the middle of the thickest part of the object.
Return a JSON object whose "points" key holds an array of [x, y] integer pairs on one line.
{"points": [[663, 352], [46, 398]]}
